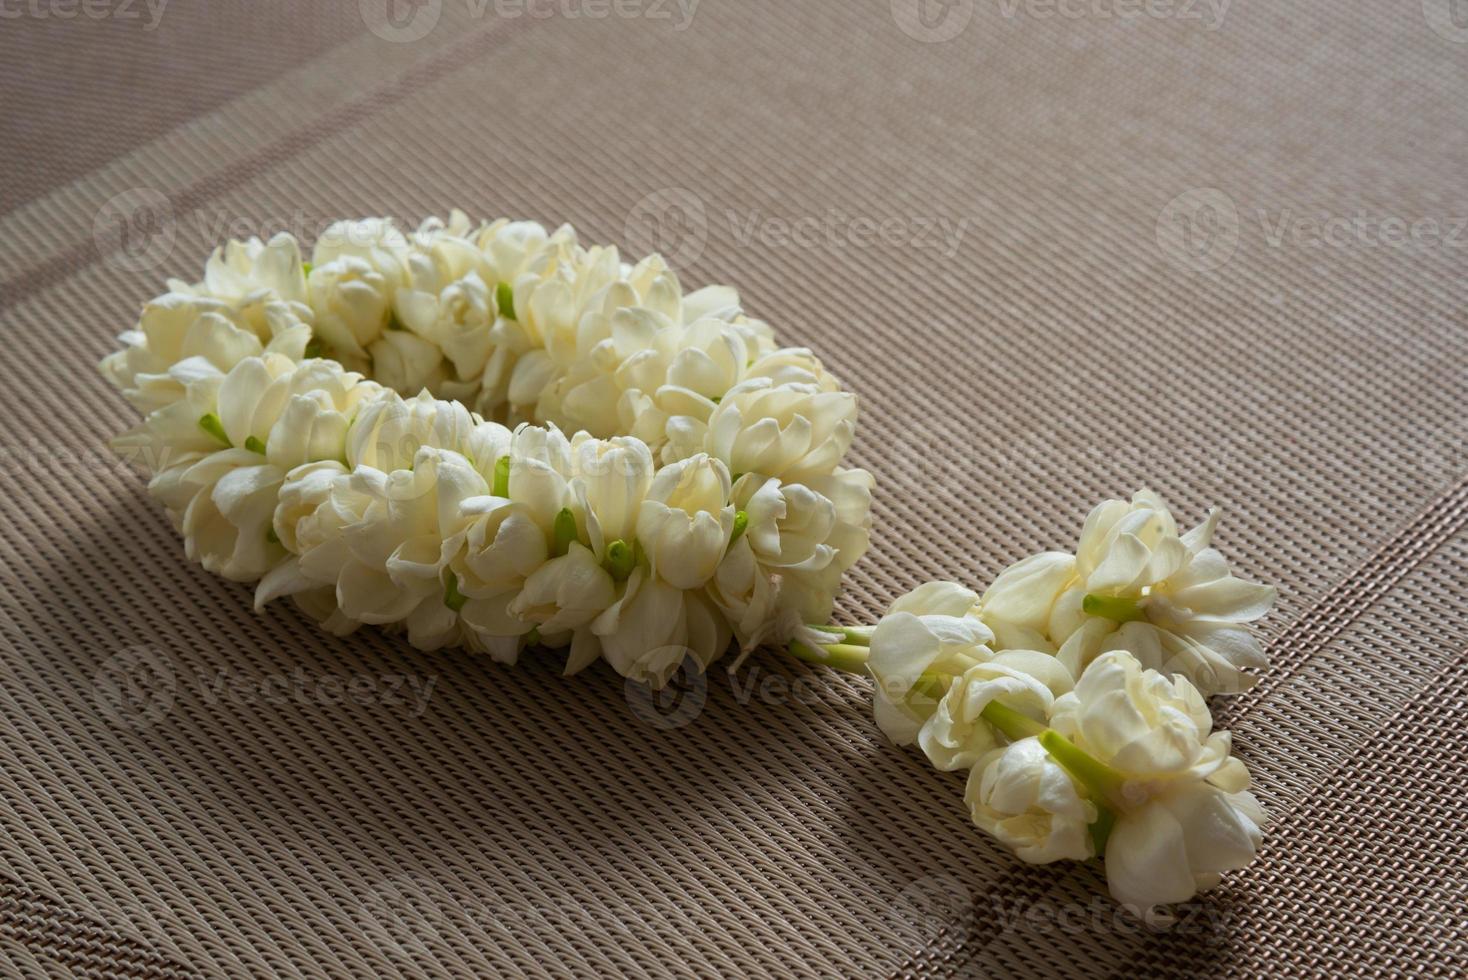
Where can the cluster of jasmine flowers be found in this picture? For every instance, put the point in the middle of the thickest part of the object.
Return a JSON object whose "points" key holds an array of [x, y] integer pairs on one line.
{"points": [[1073, 692], [494, 437]]}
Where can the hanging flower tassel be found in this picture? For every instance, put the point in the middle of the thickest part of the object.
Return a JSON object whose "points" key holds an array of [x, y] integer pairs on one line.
{"points": [[1082, 747]]}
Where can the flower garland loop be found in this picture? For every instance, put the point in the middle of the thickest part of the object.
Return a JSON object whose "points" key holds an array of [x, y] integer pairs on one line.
{"points": [[644, 474], [492, 436]]}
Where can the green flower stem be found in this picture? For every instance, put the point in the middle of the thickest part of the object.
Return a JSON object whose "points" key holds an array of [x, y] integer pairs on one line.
{"points": [[452, 597], [255, 445], [856, 636], [933, 686], [1101, 829], [210, 423], [741, 524], [1116, 608], [620, 560], [501, 486], [565, 531], [838, 656], [1011, 724], [504, 298], [1104, 783]]}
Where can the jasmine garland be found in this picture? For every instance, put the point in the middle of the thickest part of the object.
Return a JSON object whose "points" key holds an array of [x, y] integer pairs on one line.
{"points": [[491, 436]]}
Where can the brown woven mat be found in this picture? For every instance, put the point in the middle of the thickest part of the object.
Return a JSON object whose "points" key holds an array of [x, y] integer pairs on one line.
{"points": [[1061, 250]]}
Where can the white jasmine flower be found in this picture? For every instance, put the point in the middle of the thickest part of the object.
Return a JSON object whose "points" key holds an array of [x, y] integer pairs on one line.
{"points": [[1138, 721], [653, 627], [502, 548], [392, 568], [805, 529], [374, 242], [931, 630], [180, 339], [250, 399], [465, 319], [1028, 802], [178, 432], [1018, 604], [514, 248], [315, 505], [538, 477], [223, 491], [808, 590], [1136, 584], [711, 357], [956, 735], [353, 303], [321, 401], [788, 525], [306, 488], [685, 521], [390, 430], [793, 365], [239, 273], [407, 363], [565, 595], [612, 479], [1181, 843], [225, 502], [1181, 807], [445, 300], [747, 595], [785, 430]]}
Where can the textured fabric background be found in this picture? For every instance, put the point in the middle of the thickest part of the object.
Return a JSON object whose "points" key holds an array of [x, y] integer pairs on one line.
{"points": [[1060, 251]]}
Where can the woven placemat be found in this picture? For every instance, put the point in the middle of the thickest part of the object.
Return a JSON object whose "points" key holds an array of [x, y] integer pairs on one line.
{"points": [[1061, 250]]}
